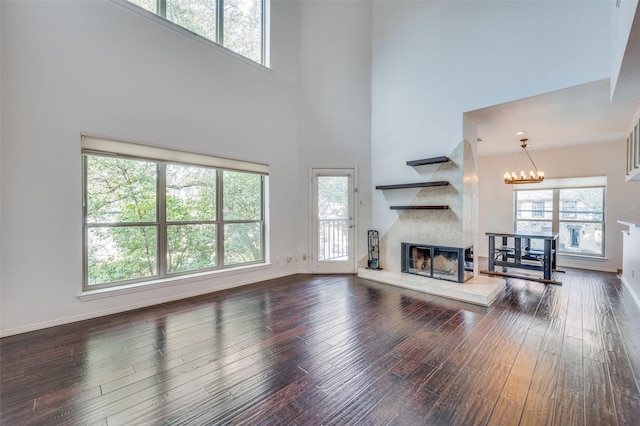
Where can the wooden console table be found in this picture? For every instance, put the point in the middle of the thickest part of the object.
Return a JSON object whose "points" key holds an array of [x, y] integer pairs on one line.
{"points": [[521, 255]]}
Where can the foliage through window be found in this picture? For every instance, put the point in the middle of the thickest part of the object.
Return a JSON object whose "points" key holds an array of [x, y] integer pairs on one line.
{"points": [[238, 25], [577, 214], [333, 217], [146, 219]]}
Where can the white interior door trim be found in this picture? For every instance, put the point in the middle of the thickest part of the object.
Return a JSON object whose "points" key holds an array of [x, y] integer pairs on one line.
{"points": [[329, 267]]}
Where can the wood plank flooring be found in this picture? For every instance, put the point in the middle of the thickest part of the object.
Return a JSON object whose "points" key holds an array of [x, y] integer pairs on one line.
{"points": [[310, 350]]}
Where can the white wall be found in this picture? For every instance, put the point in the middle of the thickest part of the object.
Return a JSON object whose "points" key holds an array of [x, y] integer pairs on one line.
{"points": [[624, 50], [335, 97], [1, 97], [622, 198], [435, 60], [631, 260], [97, 67], [71, 67]]}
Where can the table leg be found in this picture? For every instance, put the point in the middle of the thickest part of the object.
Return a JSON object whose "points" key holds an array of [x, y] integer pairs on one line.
{"points": [[505, 254], [547, 259], [492, 252], [518, 249]]}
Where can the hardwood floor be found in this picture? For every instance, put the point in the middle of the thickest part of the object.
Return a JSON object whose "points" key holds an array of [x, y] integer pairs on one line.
{"points": [[339, 350]]}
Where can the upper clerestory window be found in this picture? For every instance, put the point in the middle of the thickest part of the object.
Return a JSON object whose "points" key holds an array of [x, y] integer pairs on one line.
{"points": [[238, 25]]}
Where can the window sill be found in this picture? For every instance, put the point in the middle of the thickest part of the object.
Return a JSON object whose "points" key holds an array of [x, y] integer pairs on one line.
{"points": [[583, 257], [167, 282]]}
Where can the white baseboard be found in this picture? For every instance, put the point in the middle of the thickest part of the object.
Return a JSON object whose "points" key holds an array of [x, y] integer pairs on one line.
{"points": [[587, 267], [145, 304], [633, 293]]}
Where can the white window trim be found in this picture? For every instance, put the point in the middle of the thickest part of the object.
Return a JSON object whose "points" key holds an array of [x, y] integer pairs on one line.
{"points": [[93, 144], [564, 183], [573, 182], [138, 287], [584, 257]]}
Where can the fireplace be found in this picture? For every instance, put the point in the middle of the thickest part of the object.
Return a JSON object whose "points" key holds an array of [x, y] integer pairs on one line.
{"points": [[444, 263], [418, 261]]}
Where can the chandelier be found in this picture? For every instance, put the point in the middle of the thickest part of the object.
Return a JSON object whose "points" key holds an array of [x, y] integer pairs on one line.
{"points": [[534, 175]]}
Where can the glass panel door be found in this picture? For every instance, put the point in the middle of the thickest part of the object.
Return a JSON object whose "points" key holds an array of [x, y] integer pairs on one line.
{"points": [[333, 221]]}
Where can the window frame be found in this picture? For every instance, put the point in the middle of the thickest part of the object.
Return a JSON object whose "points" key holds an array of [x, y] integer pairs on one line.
{"points": [[159, 15], [537, 212], [161, 224], [572, 212], [556, 221]]}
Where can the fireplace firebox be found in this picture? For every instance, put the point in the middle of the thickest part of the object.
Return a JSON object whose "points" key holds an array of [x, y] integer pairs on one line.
{"points": [[444, 263]]}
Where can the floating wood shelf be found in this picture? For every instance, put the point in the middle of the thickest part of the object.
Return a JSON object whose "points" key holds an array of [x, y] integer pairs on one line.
{"points": [[419, 207], [414, 185], [432, 160]]}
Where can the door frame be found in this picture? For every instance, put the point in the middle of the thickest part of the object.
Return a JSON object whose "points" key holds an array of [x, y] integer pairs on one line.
{"points": [[354, 200]]}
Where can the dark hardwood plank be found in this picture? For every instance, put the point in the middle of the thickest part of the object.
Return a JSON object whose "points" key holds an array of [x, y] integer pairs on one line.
{"points": [[338, 350], [386, 409], [506, 412], [569, 395], [455, 395], [599, 403], [415, 411], [519, 380], [476, 411]]}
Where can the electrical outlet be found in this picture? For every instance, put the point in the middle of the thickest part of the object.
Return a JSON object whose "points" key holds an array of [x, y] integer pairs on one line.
{"points": [[288, 258], [304, 257]]}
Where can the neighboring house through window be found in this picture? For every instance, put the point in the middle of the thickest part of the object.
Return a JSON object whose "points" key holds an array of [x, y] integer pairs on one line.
{"points": [[568, 209], [537, 209], [575, 208]]}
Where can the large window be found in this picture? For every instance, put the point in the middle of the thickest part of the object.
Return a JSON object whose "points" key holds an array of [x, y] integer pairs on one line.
{"points": [[238, 25], [576, 213], [151, 218]]}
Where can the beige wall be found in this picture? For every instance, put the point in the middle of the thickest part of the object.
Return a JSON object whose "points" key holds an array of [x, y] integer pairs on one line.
{"points": [[622, 198]]}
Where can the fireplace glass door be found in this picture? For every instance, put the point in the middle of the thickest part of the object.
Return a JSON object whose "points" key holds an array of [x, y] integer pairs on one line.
{"points": [[443, 263], [419, 260]]}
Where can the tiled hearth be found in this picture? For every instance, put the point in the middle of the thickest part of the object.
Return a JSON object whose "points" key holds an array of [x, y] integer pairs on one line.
{"points": [[441, 271], [480, 290]]}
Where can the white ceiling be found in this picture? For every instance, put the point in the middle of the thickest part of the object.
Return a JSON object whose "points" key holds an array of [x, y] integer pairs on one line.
{"points": [[574, 116]]}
